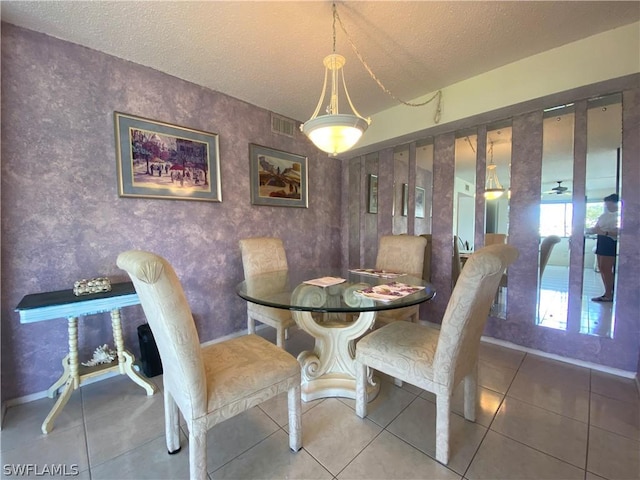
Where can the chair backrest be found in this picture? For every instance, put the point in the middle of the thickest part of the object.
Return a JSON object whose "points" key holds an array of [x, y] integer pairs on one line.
{"points": [[167, 310], [456, 263], [262, 255], [494, 238], [545, 251], [426, 269], [402, 254], [467, 312]]}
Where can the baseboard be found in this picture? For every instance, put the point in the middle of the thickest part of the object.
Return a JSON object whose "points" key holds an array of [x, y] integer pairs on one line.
{"points": [[580, 363], [38, 395], [237, 334]]}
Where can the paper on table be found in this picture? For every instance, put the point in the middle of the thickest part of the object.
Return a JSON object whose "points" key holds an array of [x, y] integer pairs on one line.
{"points": [[324, 281], [376, 273], [390, 291]]}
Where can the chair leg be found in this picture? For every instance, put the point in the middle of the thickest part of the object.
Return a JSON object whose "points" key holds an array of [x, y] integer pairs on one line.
{"points": [[171, 423], [471, 395], [280, 337], [198, 450], [361, 389], [397, 382], [251, 325], [443, 407], [295, 418]]}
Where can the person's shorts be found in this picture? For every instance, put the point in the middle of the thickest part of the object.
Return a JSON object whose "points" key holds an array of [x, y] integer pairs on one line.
{"points": [[605, 246]]}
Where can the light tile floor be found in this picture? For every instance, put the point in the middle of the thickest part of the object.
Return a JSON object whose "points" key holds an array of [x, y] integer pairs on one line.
{"points": [[538, 419]]}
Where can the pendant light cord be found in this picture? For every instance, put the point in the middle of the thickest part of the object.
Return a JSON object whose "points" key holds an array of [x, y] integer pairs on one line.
{"points": [[436, 96]]}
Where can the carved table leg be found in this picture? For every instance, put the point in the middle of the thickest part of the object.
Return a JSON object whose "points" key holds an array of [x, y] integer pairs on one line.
{"points": [[149, 387], [116, 325], [47, 425], [53, 389], [125, 359], [70, 377], [72, 326]]}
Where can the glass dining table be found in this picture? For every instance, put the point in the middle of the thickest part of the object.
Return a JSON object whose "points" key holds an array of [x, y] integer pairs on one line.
{"points": [[336, 307]]}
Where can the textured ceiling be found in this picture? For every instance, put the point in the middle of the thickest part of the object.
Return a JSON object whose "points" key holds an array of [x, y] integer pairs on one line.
{"points": [[270, 53]]}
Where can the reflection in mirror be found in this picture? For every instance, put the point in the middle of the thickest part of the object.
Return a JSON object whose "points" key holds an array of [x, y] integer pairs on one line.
{"points": [[367, 232], [424, 188], [556, 209], [400, 183], [464, 191], [604, 140], [464, 202], [497, 194]]}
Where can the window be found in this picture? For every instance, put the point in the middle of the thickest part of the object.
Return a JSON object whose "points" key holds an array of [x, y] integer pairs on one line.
{"points": [[555, 219]]}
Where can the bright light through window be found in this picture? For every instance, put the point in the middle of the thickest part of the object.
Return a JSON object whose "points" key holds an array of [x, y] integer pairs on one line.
{"points": [[555, 219]]}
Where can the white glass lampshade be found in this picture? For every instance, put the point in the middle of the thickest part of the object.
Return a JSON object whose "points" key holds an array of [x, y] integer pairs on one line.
{"points": [[493, 193], [335, 134], [493, 188]]}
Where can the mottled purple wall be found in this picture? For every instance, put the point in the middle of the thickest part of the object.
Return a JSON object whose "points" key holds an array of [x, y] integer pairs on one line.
{"points": [[442, 224], [62, 219], [524, 218]]}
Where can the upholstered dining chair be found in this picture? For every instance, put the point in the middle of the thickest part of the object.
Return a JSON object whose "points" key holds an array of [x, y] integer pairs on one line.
{"points": [[438, 360], [456, 262], [207, 384], [494, 238], [426, 269], [401, 254], [546, 247], [265, 255]]}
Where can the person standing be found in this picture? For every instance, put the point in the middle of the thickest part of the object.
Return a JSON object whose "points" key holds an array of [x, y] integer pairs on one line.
{"points": [[606, 228]]}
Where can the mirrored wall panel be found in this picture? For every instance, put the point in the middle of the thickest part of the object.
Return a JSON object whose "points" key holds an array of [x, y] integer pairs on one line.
{"points": [[556, 213], [400, 189], [497, 193], [464, 201], [602, 220], [424, 188]]}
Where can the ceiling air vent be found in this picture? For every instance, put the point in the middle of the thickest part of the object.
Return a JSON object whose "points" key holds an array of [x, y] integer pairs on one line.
{"points": [[282, 125]]}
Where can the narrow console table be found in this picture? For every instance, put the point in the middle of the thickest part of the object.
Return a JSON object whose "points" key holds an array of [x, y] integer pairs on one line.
{"points": [[39, 307]]}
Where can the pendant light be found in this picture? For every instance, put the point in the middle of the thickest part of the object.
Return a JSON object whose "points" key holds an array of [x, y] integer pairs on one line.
{"points": [[335, 132], [493, 189]]}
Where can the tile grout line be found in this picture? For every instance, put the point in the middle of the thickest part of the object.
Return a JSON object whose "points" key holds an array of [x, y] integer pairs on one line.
{"points": [[318, 462], [382, 428], [246, 450], [86, 434], [84, 421], [538, 450], [423, 453], [530, 446], [586, 453], [504, 397], [362, 450]]}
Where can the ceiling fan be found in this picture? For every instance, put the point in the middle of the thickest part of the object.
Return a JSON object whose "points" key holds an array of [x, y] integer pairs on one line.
{"points": [[559, 189]]}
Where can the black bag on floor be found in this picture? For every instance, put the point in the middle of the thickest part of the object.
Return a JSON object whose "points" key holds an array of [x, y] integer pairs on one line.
{"points": [[149, 355]]}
